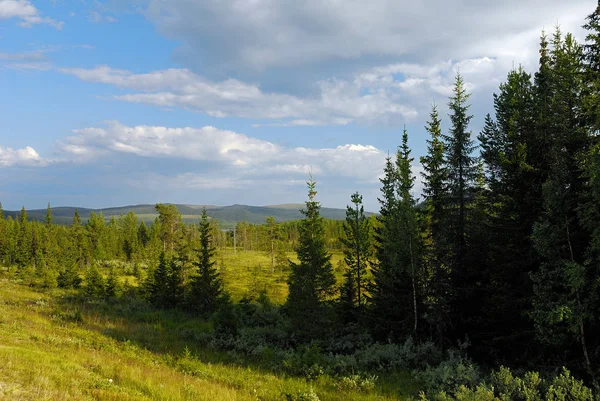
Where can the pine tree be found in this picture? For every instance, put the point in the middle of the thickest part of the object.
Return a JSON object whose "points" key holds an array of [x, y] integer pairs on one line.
{"points": [[311, 282], [357, 248], [206, 286]]}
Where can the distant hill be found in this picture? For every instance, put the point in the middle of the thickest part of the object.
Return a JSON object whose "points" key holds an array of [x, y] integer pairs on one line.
{"points": [[227, 215]]}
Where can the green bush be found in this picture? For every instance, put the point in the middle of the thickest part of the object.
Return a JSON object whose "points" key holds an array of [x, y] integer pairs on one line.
{"points": [[504, 386], [452, 373], [356, 382]]}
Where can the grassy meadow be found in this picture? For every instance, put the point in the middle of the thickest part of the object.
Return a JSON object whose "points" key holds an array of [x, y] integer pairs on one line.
{"points": [[245, 273], [55, 346]]}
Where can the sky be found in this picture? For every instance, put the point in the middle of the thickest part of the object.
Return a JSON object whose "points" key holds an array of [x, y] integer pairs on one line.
{"points": [[217, 102]]}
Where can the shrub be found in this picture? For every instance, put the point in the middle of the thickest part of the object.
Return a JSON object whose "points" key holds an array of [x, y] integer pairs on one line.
{"points": [[450, 374], [356, 382]]}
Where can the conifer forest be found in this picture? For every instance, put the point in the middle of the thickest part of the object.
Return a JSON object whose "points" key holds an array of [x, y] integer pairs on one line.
{"points": [[485, 286]]}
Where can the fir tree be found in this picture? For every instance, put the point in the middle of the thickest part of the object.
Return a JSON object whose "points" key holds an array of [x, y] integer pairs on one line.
{"points": [[394, 298], [94, 283], [48, 219], [206, 286], [158, 292], [112, 284], [461, 172], [357, 248], [311, 281], [175, 285], [435, 248], [565, 287]]}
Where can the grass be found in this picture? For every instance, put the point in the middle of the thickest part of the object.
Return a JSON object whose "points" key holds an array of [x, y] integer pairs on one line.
{"points": [[245, 273], [53, 347]]}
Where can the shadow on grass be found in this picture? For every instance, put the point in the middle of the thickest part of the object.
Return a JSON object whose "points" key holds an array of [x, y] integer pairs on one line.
{"points": [[180, 337]]}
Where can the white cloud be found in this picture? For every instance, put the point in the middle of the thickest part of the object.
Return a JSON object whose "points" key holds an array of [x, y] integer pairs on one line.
{"points": [[26, 12], [20, 157], [339, 102], [230, 153], [206, 144]]}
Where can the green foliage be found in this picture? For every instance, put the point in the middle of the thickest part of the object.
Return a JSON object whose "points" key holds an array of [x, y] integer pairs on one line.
{"points": [[95, 286], [206, 286], [311, 280], [357, 253]]}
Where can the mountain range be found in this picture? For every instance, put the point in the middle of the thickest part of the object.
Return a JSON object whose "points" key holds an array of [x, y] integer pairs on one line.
{"points": [[227, 215]]}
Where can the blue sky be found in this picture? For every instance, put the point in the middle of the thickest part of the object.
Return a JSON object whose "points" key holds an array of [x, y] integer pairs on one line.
{"points": [[109, 103]]}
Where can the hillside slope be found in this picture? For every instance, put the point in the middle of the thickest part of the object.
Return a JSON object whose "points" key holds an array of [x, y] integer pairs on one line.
{"points": [[53, 347]]}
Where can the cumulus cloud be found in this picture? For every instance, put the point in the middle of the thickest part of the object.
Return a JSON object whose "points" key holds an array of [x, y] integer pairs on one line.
{"points": [[227, 152], [20, 157], [26, 12]]}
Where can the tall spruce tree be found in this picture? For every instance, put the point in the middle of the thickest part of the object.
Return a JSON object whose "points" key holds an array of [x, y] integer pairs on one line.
{"points": [[461, 167], [311, 281], [357, 249], [393, 292], [591, 56], [411, 251], [510, 152], [206, 288], [565, 286], [437, 283]]}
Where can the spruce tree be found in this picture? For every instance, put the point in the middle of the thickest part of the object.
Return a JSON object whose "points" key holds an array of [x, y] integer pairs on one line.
{"points": [[461, 172], [158, 291], [515, 171], [175, 285], [206, 285], [357, 248], [48, 219], [393, 292], [411, 251], [94, 283], [591, 56], [565, 288], [311, 281], [113, 286], [437, 285]]}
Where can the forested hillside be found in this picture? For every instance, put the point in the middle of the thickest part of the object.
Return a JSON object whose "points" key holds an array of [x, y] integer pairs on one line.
{"points": [[227, 216], [488, 290]]}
